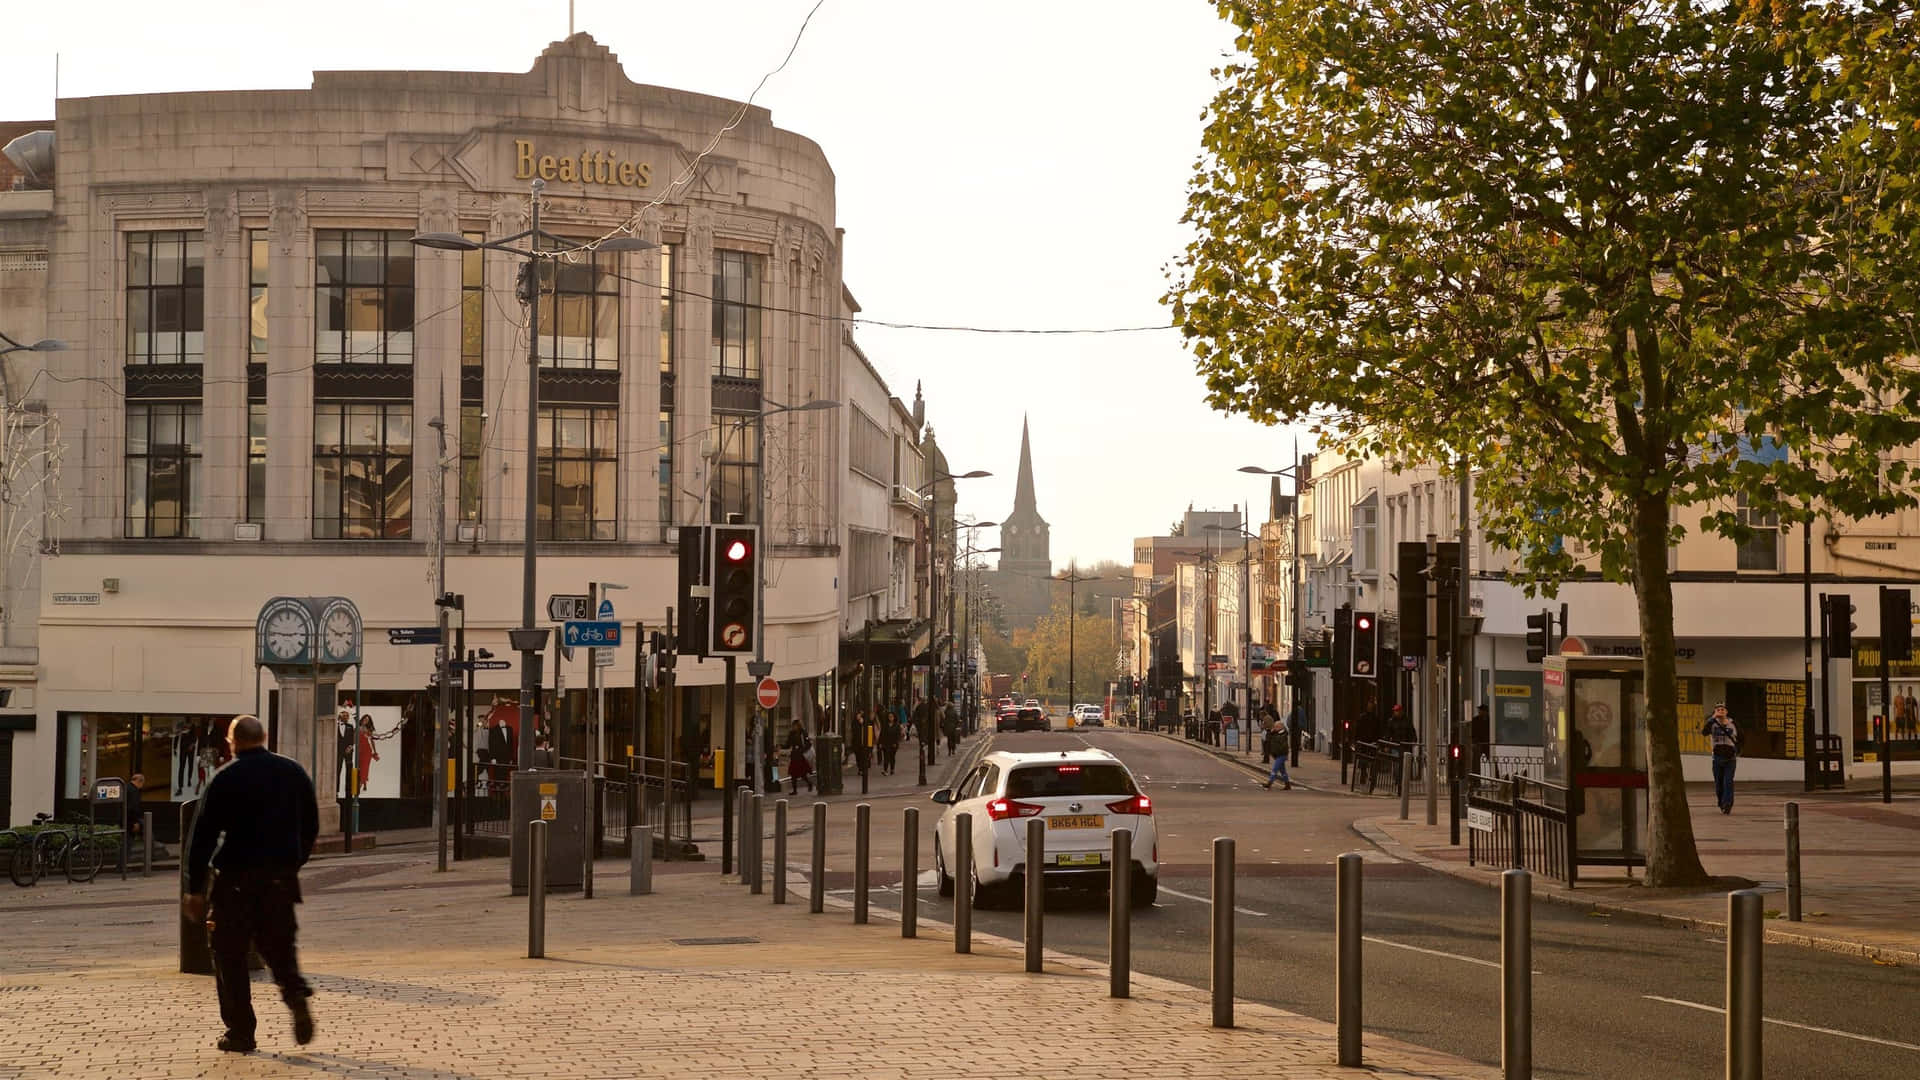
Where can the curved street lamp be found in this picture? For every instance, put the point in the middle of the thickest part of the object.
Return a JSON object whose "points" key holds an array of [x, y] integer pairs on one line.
{"points": [[932, 487]]}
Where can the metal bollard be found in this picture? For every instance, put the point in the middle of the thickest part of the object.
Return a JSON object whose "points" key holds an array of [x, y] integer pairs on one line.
{"points": [[1223, 931], [1406, 781], [963, 883], [1346, 972], [1793, 862], [639, 861], [1036, 890], [536, 889], [742, 803], [817, 884], [1744, 921], [757, 845], [146, 840], [910, 873], [862, 821], [780, 851], [1516, 975], [1120, 916]]}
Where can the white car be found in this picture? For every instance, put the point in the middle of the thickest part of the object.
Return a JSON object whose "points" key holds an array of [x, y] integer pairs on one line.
{"points": [[1091, 716], [1083, 795]]}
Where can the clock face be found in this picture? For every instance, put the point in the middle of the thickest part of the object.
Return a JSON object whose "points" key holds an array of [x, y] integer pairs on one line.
{"points": [[286, 635], [339, 635]]}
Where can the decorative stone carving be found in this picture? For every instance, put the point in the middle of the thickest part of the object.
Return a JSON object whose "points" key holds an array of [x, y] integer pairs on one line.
{"points": [[287, 219], [223, 220]]}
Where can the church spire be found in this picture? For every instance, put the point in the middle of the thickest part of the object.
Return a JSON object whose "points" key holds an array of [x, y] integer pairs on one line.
{"points": [[1023, 503]]}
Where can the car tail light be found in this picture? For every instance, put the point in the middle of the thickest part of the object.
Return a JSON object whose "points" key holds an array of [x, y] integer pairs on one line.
{"points": [[1002, 809], [1133, 804]]}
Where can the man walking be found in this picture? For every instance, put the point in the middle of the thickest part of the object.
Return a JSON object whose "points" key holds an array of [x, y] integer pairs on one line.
{"points": [[1725, 736], [256, 827], [1274, 744]]}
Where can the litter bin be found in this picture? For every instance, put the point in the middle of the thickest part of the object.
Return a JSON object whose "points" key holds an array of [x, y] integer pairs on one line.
{"points": [[558, 797], [829, 754]]}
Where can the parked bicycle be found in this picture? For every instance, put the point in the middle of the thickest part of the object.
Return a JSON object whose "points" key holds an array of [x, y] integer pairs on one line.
{"points": [[51, 848]]}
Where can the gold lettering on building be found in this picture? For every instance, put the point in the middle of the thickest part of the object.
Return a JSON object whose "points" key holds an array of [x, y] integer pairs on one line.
{"points": [[588, 167]]}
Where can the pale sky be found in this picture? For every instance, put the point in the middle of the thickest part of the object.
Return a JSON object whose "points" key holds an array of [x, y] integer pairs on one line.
{"points": [[1001, 163]]}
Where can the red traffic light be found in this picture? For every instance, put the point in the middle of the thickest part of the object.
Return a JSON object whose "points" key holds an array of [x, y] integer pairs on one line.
{"points": [[1363, 622], [737, 551]]}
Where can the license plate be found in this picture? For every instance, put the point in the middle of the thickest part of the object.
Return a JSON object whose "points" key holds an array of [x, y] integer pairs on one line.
{"points": [[1077, 821], [1084, 858]]}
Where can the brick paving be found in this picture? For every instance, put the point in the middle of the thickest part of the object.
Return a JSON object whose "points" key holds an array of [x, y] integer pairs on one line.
{"points": [[423, 975]]}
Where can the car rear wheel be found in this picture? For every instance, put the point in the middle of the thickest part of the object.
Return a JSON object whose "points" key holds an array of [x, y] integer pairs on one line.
{"points": [[940, 870], [1146, 889]]}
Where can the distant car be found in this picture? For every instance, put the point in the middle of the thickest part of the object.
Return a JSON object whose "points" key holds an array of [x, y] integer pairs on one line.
{"points": [[1032, 703], [1093, 716], [1023, 719], [1083, 795], [1006, 719]]}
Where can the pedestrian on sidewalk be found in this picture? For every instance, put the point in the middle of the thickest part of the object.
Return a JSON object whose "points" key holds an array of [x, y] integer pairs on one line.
{"points": [[257, 823], [950, 726], [799, 764], [1725, 736], [1274, 745], [890, 743]]}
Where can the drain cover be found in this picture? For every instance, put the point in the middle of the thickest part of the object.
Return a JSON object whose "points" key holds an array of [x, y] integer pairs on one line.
{"points": [[716, 941]]}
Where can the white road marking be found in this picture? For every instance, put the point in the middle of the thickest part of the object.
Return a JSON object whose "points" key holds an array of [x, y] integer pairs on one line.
{"points": [[1431, 952], [1788, 1023], [1208, 902]]}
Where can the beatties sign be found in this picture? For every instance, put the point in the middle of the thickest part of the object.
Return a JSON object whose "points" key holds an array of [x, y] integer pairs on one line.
{"points": [[590, 167]]}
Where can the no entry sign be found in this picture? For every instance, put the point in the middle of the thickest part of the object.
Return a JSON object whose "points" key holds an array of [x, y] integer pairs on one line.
{"points": [[768, 692]]}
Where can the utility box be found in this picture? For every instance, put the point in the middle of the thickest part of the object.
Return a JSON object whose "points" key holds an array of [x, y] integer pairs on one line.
{"points": [[829, 753], [558, 797]]}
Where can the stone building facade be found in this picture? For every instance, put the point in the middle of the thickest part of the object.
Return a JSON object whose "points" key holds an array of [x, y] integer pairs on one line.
{"points": [[269, 390]]}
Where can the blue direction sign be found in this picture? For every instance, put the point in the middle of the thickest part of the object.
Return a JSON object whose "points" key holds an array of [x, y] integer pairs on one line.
{"points": [[590, 634], [481, 665], [413, 635]]}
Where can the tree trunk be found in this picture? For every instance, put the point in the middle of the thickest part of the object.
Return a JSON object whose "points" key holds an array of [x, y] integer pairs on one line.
{"points": [[1672, 859]]}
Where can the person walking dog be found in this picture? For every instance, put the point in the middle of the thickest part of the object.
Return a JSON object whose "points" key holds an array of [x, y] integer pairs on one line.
{"points": [[257, 823]]}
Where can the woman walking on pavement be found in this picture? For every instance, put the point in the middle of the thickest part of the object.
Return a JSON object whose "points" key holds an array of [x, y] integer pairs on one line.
{"points": [[799, 765]]}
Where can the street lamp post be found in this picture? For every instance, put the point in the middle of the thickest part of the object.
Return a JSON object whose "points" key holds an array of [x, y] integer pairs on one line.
{"points": [[529, 639], [966, 623], [1293, 572], [933, 610], [1246, 622], [1073, 578]]}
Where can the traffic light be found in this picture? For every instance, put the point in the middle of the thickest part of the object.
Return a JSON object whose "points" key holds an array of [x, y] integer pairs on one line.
{"points": [[1839, 626], [696, 592], [736, 589], [1366, 645], [1539, 634], [1896, 624]]}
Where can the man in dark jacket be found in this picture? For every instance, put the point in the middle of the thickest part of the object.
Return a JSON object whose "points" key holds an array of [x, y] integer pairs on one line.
{"points": [[255, 827]]}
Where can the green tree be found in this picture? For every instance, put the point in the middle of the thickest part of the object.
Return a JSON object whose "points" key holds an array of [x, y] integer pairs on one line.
{"points": [[1095, 649], [1628, 260]]}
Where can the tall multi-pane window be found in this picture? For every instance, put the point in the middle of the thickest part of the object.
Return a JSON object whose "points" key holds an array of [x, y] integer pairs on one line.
{"points": [[734, 469], [578, 470], [258, 256], [580, 313], [666, 466], [363, 303], [257, 462], [473, 305], [166, 298], [472, 429], [736, 314], [667, 253], [1762, 550], [163, 469], [362, 470]]}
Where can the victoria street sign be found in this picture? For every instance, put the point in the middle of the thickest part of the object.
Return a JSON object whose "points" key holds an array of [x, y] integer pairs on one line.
{"points": [[413, 635], [579, 632], [562, 607]]}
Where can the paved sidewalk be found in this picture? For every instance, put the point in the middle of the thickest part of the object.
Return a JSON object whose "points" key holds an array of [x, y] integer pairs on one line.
{"points": [[1859, 868], [1859, 860], [903, 783], [423, 975]]}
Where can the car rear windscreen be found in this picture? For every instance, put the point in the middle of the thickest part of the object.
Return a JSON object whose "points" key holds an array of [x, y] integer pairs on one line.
{"points": [[1069, 779]]}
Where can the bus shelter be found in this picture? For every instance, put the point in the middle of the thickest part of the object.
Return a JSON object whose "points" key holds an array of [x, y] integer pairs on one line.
{"points": [[1596, 752]]}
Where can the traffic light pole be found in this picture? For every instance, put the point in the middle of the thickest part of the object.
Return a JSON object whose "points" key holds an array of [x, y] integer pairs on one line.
{"points": [[1433, 680]]}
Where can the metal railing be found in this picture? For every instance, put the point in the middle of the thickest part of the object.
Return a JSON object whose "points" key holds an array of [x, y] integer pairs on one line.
{"points": [[1379, 762], [1529, 826]]}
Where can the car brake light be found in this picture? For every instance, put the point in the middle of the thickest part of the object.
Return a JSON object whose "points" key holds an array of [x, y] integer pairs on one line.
{"points": [[1002, 809], [1135, 804], [1069, 768]]}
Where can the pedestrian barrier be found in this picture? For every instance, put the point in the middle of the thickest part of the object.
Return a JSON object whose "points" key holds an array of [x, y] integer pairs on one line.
{"points": [[1744, 921], [146, 842], [1406, 788], [536, 889], [755, 850], [1222, 932], [742, 802], [639, 861], [1793, 862], [910, 872], [1525, 825], [962, 883]]}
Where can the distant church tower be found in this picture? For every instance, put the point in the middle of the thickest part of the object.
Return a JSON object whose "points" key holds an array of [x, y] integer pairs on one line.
{"points": [[1026, 553]]}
